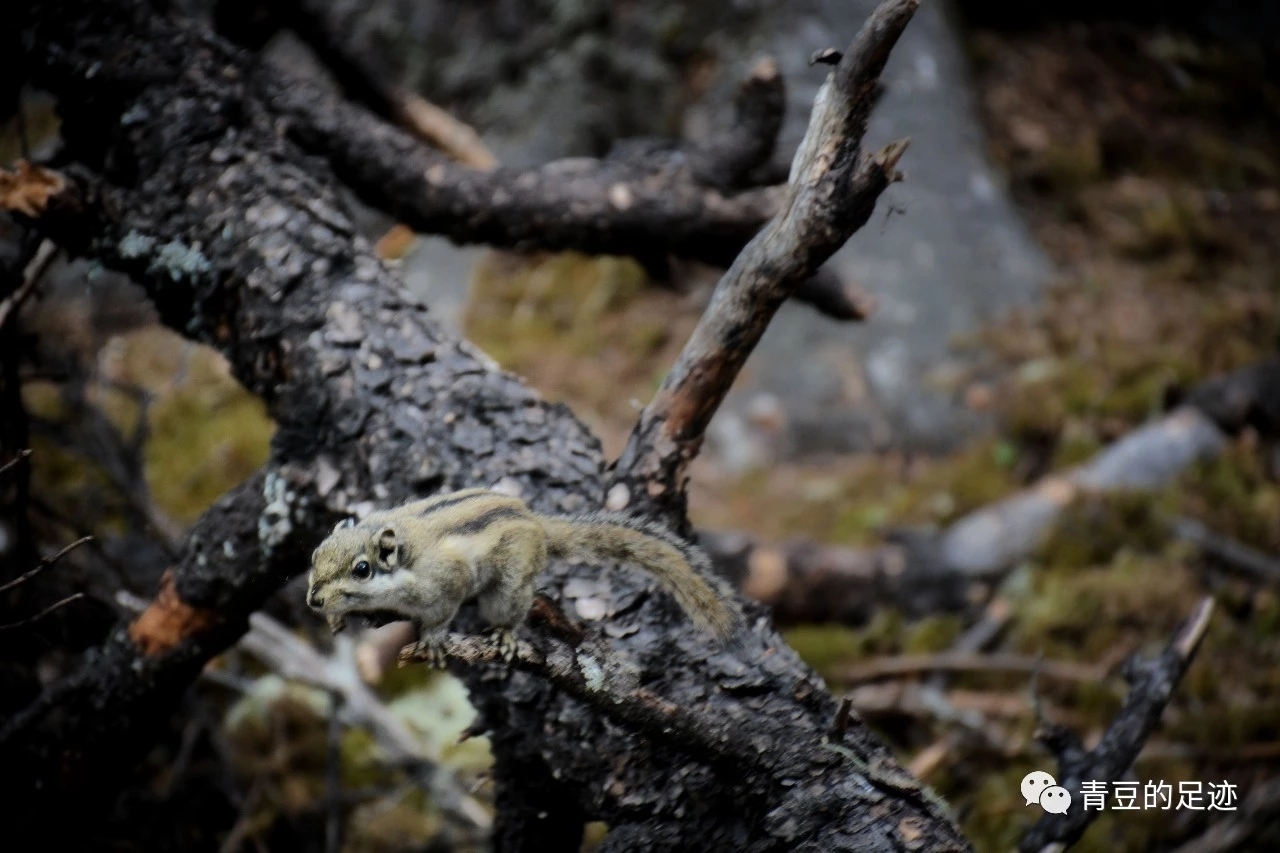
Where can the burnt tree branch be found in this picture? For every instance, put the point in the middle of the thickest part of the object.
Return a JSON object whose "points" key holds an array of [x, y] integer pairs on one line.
{"points": [[831, 193], [727, 159], [614, 206], [198, 197], [1152, 683]]}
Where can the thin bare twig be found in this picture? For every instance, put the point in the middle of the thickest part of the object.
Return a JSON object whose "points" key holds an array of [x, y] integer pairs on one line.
{"points": [[978, 636], [1230, 552], [45, 563], [20, 456], [958, 661], [832, 192], [43, 613]]}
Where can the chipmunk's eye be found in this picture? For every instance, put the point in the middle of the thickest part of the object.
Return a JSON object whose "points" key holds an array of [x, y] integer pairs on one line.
{"points": [[361, 571]]}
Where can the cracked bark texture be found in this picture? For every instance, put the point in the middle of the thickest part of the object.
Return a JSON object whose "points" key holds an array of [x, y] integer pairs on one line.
{"points": [[243, 244]]}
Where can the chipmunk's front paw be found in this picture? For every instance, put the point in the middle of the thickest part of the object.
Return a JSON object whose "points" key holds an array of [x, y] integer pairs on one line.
{"points": [[505, 640], [429, 650], [337, 623]]}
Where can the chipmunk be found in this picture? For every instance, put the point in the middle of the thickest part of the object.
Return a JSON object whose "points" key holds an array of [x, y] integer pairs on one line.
{"points": [[420, 561]]}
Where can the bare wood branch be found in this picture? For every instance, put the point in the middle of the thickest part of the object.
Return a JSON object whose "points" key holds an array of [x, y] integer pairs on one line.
{"points": [[832, 192], [442, 129], [988, 541], [1152, 683], [979, 636]]}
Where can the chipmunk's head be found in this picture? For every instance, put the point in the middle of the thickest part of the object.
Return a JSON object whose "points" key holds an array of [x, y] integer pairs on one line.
{"points": [[356, 569]]}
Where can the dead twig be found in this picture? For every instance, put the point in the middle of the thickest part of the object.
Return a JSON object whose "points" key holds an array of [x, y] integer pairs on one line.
{"points": [[45, 563], [1227, 551], [1152, 683], [31, 278], [20, 456], [832, 192], [978, 636], [437, 126], [971, 710], [43, 613], [959, 661]]}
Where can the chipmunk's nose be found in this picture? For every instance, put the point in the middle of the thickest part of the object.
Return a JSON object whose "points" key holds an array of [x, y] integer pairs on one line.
{"points": [[314, 601]]}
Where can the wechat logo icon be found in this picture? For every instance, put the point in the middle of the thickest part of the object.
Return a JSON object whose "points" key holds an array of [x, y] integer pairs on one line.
{"points": [[1040, 787]]}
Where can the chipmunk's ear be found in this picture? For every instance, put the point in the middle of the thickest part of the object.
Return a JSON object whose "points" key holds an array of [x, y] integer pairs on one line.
{"points": [[345, 524], [388, 547]]}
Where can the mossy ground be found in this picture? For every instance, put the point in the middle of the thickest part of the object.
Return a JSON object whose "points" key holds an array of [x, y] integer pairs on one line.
{"points": [[204, 432]]}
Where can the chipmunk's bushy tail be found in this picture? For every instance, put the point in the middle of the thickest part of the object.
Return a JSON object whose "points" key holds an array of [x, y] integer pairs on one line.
{"points": [[678, 565]]}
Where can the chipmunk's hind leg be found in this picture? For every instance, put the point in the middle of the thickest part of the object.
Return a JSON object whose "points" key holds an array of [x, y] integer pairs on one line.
{"points": [[506, 603]]}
